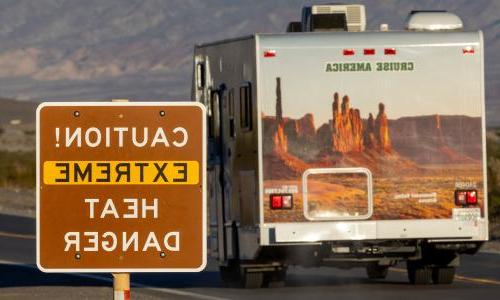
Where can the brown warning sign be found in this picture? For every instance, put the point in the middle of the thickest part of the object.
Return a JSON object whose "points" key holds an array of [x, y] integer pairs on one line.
{"points": [[121, 187]]}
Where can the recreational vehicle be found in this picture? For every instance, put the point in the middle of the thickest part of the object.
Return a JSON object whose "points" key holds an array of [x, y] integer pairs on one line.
{"points": [[330, 145]]}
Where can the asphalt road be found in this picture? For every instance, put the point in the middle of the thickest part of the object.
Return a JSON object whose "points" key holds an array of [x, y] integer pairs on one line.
{"points": [[478, 277]]}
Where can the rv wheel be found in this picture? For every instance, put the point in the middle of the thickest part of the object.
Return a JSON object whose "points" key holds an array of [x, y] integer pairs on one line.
{"points": [[275, 279], [235, 276], [230, 274], [374, 271], [443, 275], [418, 274], [252, 280]]}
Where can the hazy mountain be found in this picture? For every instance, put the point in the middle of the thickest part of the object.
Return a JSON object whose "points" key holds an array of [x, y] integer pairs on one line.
{"points": [[141, 49], [22, 111]]}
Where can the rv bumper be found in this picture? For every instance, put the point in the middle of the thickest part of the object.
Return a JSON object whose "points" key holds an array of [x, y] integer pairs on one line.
{"points": [[432, 230]]}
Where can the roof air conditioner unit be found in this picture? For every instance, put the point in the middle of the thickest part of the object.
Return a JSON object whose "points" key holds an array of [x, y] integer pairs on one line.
{"points": [[334, 18]]}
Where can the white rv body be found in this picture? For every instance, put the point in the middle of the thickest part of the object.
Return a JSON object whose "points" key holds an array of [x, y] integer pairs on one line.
{"points": [[428, 88]]}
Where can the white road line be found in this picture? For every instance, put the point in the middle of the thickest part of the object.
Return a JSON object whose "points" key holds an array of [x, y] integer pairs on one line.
{"points": [[490, 251], [460, 278], [17, 235], [477, 280], [133, 284]]}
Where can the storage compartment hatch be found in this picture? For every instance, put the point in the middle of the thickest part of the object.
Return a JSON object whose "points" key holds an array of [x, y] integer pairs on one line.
{"points": [[337, 194]]}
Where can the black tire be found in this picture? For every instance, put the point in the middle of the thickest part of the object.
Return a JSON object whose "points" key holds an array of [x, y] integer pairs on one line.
{"points": [[374, 271], [234, 276], [418, 274], [230, 275], [252, 280], [443, 275], [275, 279]]}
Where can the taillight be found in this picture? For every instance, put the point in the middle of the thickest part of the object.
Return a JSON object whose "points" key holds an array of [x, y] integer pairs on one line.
{"points": [[287, 201], [471, 197], [276, 202], [461, 198], [281, 201], [465, 197]]}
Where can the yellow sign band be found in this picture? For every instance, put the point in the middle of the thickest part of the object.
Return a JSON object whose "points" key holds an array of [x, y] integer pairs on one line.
{"points": [[120, 172]]}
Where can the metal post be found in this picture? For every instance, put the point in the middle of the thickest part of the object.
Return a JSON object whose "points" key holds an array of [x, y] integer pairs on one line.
{"points": [[121, 281], [121, 286]]}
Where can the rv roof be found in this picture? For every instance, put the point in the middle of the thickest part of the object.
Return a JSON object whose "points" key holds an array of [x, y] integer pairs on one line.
{"points": [[373, 38], [367, 39]]}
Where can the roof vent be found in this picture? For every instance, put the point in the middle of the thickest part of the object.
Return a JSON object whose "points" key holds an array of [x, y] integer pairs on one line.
{"points": [[433, 21]]}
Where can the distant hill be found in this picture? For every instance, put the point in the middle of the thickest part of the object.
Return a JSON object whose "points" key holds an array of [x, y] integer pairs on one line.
{"points": [[141, 49], [17, 131], [23, 111]]}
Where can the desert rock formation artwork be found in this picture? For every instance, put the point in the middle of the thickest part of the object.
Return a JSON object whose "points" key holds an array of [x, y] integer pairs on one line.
{"points": [[422, 150]]}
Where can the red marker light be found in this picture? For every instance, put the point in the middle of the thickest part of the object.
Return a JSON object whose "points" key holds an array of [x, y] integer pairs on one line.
{"points": [[390, 51], [468, 50], [270, 53], [369, 51], [348, 52]]}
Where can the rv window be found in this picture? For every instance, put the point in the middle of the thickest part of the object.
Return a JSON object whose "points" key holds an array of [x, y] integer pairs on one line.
{"points": [[232, 130], [231, 103], [246, 107], [213, 122], [210, 115], [200, 75]]}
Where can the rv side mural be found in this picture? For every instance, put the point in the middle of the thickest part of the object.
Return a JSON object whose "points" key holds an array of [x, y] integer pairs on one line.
{"points": [[416, 161]]}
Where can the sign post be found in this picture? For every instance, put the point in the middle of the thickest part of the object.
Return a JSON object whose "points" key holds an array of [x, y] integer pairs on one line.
{"points": [[121, 286], [121, 281], [121, 187]]}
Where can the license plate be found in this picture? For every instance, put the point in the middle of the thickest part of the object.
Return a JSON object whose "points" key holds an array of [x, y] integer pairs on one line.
{"points": [[466, 214]]}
